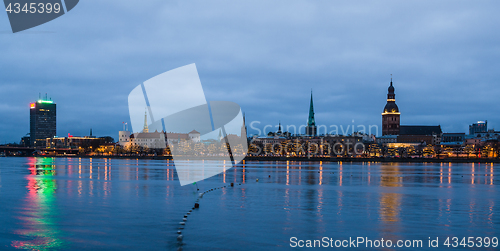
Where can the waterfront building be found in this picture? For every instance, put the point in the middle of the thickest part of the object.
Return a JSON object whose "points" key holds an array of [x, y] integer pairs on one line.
{"points": [[42, 121], [73, 142], [453, 139], [154, 140], [150, 140], [299, 146], [392, 128], [387, 139], [311, 129], [420, 134], [123, 138], [391, 115], [193, 136], [479, 127]]}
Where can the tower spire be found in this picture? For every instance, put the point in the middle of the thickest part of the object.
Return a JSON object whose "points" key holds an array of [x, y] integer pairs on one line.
{"points": [[145, 130], [310, 121], [391, 114]]}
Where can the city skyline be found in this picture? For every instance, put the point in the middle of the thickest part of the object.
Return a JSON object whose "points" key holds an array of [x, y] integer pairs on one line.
{"points": [[443, 60], [300, 129]]}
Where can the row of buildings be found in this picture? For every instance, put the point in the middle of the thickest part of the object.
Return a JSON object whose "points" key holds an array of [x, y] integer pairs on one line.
{"points": [[394, 136]]}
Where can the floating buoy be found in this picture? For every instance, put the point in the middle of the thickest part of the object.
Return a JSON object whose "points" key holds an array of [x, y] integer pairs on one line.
{"points": [[182, 223], [184, 219], [196, 205], [185, 216], [232, 184], [188, 213], [200, 195], [179, 238], [269, 176], [179, 232], [257, 180], [181, 227]]}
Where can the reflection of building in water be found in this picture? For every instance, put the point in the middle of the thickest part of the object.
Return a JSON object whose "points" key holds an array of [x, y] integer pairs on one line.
{"points": [[390, 203], [38, 223]]}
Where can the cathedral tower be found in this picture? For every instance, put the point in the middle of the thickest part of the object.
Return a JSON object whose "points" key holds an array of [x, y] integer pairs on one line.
{"points": [[390, 116]]}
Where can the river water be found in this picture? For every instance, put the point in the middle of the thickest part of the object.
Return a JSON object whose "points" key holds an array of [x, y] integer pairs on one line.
{"points": [[115, 204]]}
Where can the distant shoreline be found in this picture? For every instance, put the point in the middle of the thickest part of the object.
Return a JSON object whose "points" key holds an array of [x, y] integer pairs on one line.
{"points": [[303, 159]]}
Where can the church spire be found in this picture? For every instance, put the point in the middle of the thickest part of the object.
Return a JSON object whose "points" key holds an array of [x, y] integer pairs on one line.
{"points": [[310, 121], [391, 97], [145, 130]]}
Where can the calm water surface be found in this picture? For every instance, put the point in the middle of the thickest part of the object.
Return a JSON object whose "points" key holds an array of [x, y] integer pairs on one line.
{"points": [[112, 204]]}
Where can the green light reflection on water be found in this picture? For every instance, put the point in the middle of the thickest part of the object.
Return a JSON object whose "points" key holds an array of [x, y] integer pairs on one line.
{"points": [[38, 228]]}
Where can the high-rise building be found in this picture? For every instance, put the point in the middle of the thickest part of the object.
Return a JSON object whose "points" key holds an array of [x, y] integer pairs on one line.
{"points": [[42, 122], [311, 124], [390, 116], [480, 126]]}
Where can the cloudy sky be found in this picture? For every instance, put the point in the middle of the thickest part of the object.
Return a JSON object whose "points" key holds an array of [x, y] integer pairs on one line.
{"points": [[265, 55]]}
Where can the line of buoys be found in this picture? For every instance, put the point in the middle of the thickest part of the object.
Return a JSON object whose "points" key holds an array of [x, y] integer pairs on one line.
{"points": [[180, 237]]}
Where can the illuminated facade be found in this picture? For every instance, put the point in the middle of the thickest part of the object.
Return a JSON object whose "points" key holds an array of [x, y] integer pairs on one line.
{"points": [[479, 127], [390, 116], [42, 122]]}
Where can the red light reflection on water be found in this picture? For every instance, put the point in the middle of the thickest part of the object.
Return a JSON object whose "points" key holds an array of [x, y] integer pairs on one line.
{"points": [[37, 230]]}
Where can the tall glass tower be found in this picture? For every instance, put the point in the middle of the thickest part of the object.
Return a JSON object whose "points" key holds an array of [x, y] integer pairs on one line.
{"points": [[42, 122]]}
